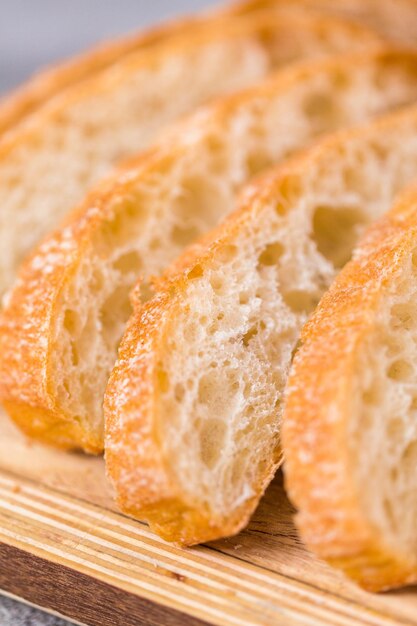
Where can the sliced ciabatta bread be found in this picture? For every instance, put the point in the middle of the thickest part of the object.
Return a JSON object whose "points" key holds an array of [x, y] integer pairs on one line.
{"points": [[350, 423], [61, 327], [398, 26], [193, 406], [48, 163], [395, 18]]}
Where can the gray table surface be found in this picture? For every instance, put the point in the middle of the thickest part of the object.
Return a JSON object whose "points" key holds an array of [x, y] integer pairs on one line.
{"points": [[34, 33]]}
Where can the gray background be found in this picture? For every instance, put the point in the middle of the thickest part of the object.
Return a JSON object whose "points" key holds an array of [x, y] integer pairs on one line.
{"points": [[34, 33]]}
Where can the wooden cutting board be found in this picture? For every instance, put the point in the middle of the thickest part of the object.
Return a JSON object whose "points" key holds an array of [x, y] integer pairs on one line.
{"points": [[64, 547]]}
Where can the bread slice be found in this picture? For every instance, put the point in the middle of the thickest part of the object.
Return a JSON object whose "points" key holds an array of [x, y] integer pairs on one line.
{"points": [[397, 19], [349, 432], [193, 406], [48, 163], [61, 328], [399, 24]]}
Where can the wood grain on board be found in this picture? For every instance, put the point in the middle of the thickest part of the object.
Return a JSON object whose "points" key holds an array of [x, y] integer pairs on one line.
{"points": [[63, 546]]}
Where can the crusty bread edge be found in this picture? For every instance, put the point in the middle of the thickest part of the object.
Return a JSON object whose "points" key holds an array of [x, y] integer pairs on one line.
{"points": [[316, 414], [133, 447]]}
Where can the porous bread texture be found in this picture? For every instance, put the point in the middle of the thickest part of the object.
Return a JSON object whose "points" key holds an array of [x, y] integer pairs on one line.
{"points": [[48, 163], [61, 328], [193, 407], [397, 19], [349, 433]]}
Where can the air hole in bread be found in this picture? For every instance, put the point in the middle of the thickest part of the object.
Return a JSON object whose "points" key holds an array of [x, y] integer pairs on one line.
{"points": [[154, 244], [66, 388], [340, 79], [227, 254], [410, 455], [256, 162], [197, 191], [280, 208], [115, 232], [322, 111], [290, 189], [372, 396], [252, 332], [300, 301], [212, 435], [128, 262], [163, 381], [395, 429], [394, 474], [217, 284], [356, 180], [115, 308], [71, 320], [97, 281], [247, 388], [182, 235], [336, 230], [400, 370], [75, 357], [390, 514], [217, 392], [179, 392], [238, 469], [271, 254], [403, 315]]}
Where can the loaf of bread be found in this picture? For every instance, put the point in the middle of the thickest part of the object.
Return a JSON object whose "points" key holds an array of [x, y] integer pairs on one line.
{"points": [[349, 427], [64, 319], [48, 163], [193, 407], [397, 19]]}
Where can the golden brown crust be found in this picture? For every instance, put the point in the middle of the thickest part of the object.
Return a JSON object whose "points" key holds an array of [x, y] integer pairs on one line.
{"points": [[319, 478], [151, 493], [131, 397], [395, 19], [135, 460]]}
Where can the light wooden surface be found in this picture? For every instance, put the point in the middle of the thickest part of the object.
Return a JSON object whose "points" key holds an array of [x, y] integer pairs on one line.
{"points": [[64, 547]]}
